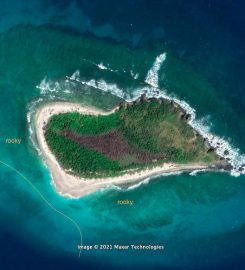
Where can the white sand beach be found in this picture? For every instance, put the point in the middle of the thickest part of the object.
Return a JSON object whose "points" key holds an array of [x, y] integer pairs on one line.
{"points": [[75, 187]]}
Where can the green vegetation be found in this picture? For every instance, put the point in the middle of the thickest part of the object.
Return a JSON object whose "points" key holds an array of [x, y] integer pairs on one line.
{"points": [[84, 124], [157, 128], [81, 160], [146, 133]]}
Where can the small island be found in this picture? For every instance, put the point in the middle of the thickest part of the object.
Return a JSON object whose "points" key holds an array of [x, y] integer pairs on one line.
{"points": [[88, 149]]}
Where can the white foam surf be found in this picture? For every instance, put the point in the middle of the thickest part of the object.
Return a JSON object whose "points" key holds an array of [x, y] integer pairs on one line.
{"points": [[30, 113], [195, 172], [100, 84], [144, 182], [135, 76], [47, 86], [152, 74], [75, 75], [101, 65]]}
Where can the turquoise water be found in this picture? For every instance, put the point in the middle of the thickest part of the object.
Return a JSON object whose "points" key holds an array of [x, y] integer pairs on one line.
{"points": [[198, 218]]}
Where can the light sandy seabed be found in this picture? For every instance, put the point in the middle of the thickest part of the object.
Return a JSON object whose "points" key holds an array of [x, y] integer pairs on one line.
{"points": [[71, 186]]}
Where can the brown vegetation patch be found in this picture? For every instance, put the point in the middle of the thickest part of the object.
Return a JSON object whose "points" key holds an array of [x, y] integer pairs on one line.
{"points": [[112, 145]]}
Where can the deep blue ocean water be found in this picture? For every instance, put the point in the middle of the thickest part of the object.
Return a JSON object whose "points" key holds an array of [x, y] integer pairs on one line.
{"points": [[199, 219]]}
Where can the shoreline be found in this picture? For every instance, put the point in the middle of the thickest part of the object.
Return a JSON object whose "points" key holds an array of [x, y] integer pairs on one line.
{"points": [[75, 187]]}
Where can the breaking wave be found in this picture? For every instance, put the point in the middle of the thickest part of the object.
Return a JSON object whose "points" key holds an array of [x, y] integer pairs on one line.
{"points": [[31, 109], [101, 66], [146, 181], [152, 74], [195, 172]]}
